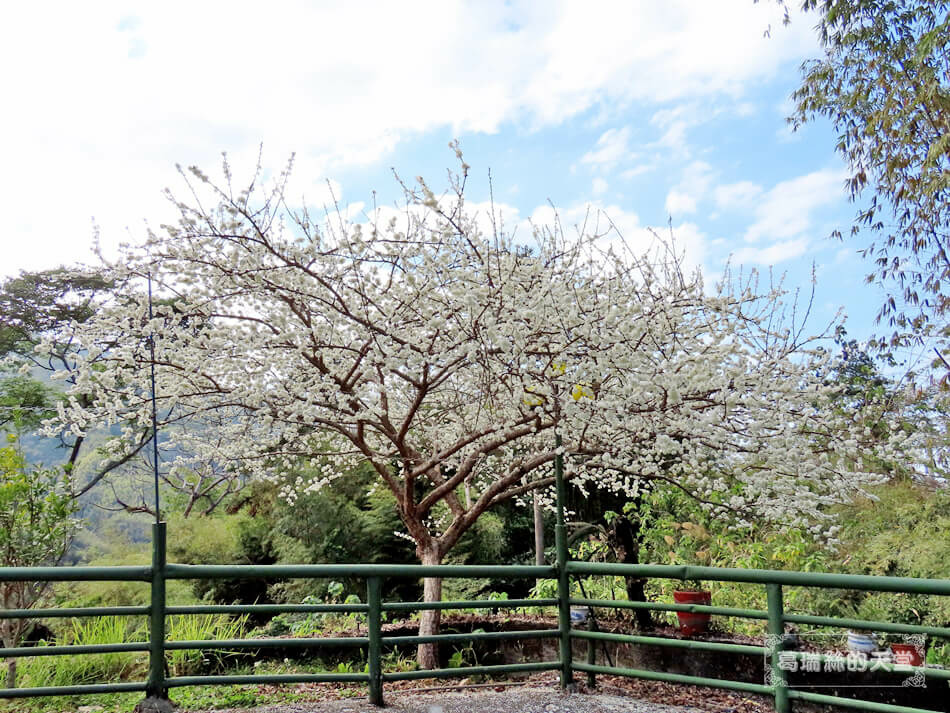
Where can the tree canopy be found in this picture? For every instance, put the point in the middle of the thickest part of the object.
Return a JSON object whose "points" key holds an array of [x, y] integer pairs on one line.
{"points": [[33, 304], [449, 360], [884, 82]]}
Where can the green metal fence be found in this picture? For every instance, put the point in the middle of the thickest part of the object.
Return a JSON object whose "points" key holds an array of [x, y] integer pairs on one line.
{"points": [[158, 683], [775, 617]]}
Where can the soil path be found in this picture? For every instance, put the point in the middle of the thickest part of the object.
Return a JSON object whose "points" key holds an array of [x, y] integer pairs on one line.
{"points": [[521, 700]]}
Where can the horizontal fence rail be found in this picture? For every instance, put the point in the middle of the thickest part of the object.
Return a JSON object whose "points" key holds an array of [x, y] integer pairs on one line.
{"points": [[661, 606], [158, 645], [363, 571], [827, 580], [73, 612], [76, 574]]}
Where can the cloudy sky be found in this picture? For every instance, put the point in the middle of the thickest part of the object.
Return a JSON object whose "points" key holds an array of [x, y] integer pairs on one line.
{"points": [[658, 113]]}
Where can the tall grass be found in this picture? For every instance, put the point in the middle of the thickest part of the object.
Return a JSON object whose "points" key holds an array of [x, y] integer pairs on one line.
{"points": [[71, 670], [201, 628]]}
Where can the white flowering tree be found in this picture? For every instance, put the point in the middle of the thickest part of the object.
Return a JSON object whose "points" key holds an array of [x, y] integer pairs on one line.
{"points": [[449, 360]]}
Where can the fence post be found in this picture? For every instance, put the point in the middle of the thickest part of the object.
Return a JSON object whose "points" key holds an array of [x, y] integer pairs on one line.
{"points": [[374, 650], [563, 578], [776, 631], [591, 649], [155, 687]]}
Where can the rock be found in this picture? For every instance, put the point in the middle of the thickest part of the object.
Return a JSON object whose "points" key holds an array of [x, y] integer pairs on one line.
{"points": [[155, 705]]}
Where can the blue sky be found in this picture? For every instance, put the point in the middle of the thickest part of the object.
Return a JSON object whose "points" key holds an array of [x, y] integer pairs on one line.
{"points": [[652, 112]]}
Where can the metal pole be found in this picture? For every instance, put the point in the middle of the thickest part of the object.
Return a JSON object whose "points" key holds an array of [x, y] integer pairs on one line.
{"points": [[151, 346], [374, 649], [591, 651], [776, 631], [155, 687], [563, 578]]}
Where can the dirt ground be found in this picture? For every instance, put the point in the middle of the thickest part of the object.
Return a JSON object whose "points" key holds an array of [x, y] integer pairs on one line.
{"points": [[539, 694], [520, 700]]}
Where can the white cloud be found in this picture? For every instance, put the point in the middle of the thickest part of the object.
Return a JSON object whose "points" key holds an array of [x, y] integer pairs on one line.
{"points": [[771, 255], [736, 195], [692, 188], [674, 124], [658, 51], [611, 147], [786, 210], [599, 186], [679, 203], [629, 173], [745, 109], [106, 101]]}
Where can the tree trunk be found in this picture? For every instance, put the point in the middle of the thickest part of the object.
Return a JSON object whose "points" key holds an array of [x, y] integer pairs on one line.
{"points": [[11, 633], [538, 531], [427, 655], [627, 535]]}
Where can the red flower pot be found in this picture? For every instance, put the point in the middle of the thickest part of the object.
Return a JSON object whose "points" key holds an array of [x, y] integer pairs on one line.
{"points": [[907, 654], [690, 623]]}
